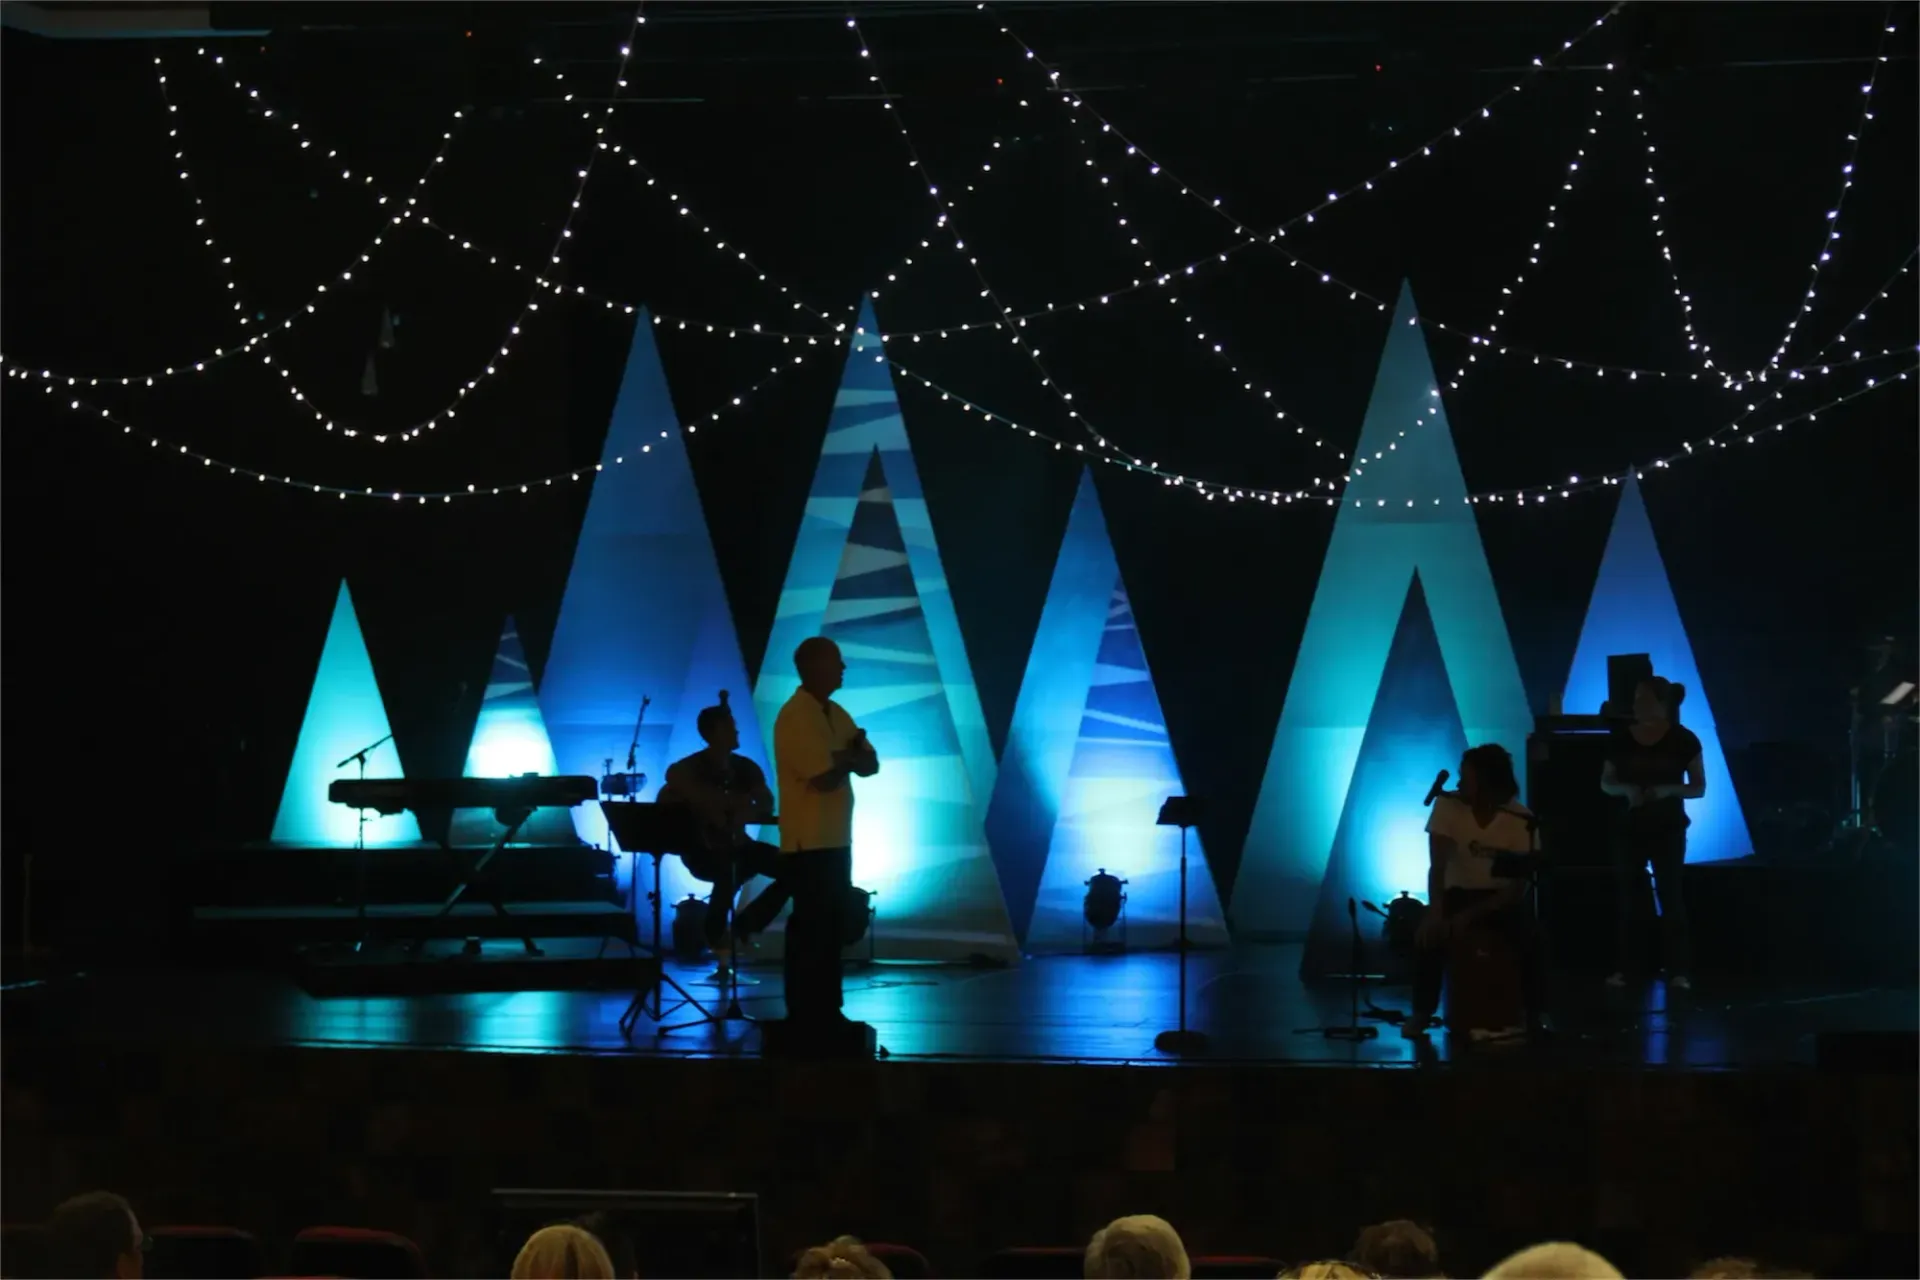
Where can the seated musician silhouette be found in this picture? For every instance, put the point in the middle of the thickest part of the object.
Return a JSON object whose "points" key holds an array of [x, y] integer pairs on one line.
{"points": [[727, 793]]}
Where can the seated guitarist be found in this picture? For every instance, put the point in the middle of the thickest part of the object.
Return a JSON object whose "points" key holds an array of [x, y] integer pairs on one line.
{"points": [[728, 793]]}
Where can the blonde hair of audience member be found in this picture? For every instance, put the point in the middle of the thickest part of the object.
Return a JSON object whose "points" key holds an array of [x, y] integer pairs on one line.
{"points": [[1141, 1247], [1556, 1261], [1333, 1269], [840, 1257], [562, 1253]]}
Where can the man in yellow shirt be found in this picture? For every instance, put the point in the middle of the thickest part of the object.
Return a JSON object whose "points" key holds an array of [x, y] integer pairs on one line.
{"points": [[817, 748]]}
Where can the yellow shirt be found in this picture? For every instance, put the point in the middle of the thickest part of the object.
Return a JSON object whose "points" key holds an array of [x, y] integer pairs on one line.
{"points": [[805, 736]]}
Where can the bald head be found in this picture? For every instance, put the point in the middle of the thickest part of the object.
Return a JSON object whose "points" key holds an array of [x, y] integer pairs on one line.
{"points": [[1556, 1261], [821, 668]]}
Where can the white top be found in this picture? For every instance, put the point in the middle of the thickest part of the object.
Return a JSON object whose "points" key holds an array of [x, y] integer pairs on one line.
{"points": [[805, 736], [1471, 864]]}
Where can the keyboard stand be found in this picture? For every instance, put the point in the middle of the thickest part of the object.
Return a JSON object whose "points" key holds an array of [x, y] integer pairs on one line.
{"points": [[511, 820]]}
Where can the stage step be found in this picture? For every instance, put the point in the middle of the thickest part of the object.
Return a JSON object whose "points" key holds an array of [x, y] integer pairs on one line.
{"points": [[290, 876], [253, 928], [442, 967]]}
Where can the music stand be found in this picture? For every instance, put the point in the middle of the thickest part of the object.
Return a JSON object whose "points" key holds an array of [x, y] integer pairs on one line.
{"points": [[656, 830], [1182, 812]]}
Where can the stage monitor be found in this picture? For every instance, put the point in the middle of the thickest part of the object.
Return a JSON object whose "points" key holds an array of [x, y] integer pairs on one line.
{"points": [[673, 1233]]}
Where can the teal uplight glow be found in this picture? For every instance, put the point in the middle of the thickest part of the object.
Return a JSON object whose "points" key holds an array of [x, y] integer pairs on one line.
{"points": [[1088, 764], [510, 739], [344, 714], [866, 573], [1633, 611], [1405, 511], [645, 614]]}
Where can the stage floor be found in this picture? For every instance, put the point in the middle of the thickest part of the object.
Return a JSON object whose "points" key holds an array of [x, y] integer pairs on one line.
{"points": [[1249, 1000]]}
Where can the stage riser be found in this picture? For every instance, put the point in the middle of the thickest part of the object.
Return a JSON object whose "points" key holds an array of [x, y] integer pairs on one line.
{"points": [[1657, 1168], [297, 877]]}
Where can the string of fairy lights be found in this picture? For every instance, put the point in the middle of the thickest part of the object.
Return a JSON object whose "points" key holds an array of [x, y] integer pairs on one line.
{"points": [[1831, 228], [1214, 203], [1590, 129], [1725, 436], [946, 223], [1127, 231], [230, 277]]}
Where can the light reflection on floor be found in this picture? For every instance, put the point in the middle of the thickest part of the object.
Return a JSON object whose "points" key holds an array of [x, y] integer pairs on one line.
{"points": [[1249, 1000]]}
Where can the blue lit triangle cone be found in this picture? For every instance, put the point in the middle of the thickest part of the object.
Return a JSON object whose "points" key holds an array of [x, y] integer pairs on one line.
{"points": [[1633, 611], [644, 614], [1406, 509], [1088, 764], [345, 713], [509, 739], [866, 573], [1380, 846]]}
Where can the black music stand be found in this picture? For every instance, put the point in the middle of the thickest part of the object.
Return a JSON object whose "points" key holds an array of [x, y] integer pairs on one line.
{"points": [[656, 830], [1182, 812]]}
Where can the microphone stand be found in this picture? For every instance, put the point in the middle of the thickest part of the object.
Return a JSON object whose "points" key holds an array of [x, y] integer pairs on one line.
{"points": [[360, 843], [1353, 1030]]}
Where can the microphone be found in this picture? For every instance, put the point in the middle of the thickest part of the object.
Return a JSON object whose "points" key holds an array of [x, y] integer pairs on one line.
{"points": [[1439, 781]]}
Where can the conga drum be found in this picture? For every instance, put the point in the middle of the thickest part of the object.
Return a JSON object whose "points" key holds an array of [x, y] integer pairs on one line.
{"points": [[1483, 984]]}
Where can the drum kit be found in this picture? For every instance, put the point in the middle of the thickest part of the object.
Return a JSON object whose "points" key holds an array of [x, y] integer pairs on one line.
{"points": [[1884, 813]]}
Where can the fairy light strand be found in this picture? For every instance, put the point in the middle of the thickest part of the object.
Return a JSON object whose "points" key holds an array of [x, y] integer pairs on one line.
{"points": [[946, 223], [1127, 230], [495, 359], [225, 260], [129, 431], [1216, 206], [1510, 292], [1831, 229]]}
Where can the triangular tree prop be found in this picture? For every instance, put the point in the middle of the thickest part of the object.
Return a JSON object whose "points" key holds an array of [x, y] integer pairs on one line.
{"points": [[345, 713], [509, 739], [1633, 611], [1405, 510], [866, 573], [1088, 764], [644, 614], [1380, 845]]}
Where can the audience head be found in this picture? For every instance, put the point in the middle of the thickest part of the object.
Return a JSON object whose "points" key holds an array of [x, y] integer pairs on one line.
{"points": [[601, 1226], [843, 1258], [96, 1237], [822, 669], [562, 1253], [1727, 1269], [1332, 1269], [1555, 1262], [1142, 1247], [1486, 775], [1399, 1249]]}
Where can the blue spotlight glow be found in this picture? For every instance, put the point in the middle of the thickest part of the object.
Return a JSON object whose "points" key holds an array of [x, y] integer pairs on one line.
{"points": [[510, 739], [1088, 763], [344, 713], [645, 613], [1633, 611], [866, 572], [1404, 511]]}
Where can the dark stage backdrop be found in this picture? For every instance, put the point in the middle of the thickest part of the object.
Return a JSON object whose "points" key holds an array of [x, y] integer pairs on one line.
{"points": [[164, 619]]}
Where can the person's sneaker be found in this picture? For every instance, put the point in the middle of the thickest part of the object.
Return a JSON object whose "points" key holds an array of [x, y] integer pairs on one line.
{"points": [[1616, 979], [1497, 1035], [1680, 982]]}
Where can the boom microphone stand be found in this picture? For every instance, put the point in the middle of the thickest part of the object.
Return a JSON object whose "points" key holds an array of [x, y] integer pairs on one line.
{"points": [[1353, 1030], [360, 842]]}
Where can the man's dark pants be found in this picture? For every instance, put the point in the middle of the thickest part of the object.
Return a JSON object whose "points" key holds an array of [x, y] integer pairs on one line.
{"points": [[821, 881]]}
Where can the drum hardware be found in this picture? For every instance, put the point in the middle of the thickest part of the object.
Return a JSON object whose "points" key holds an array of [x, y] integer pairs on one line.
{"points": [[1104, 906]]}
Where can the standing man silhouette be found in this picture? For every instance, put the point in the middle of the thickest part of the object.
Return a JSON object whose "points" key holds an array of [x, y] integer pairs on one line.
{"points": [[817, 750]]}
